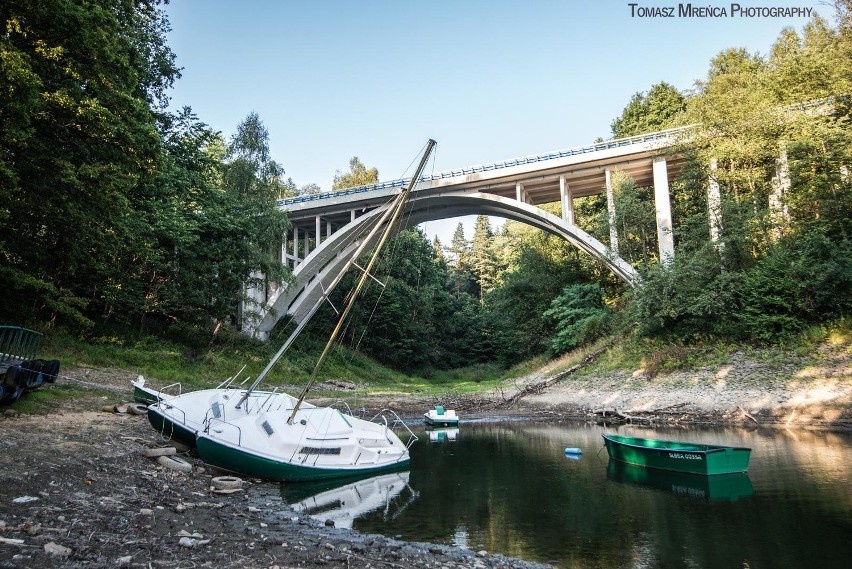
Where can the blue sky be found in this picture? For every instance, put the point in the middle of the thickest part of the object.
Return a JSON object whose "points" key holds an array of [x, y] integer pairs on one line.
{"points": [[488, 80]]}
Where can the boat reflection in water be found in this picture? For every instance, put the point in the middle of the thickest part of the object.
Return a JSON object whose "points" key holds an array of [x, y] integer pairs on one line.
{"points": [[716, 488], [443, 435], [346, 499]]}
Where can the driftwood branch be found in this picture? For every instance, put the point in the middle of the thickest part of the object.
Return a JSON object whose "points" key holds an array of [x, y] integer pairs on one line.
{"points": [[747, 415], [542, 386], [622, 416]]}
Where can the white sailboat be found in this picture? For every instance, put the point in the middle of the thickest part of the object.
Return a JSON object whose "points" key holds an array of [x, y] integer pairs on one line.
{"points": [[286, 439]]}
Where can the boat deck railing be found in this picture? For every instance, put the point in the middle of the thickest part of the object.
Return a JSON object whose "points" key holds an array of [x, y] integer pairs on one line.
{"points": [[412, 438], [170, 386], [209, 426]]}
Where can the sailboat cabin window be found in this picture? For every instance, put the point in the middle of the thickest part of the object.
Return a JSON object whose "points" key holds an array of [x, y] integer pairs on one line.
{"points": [[217, 411], [317, 450], [267, 427]]}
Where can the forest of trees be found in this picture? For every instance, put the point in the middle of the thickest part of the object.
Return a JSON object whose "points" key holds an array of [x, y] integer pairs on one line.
{"points": [[118, 212]]}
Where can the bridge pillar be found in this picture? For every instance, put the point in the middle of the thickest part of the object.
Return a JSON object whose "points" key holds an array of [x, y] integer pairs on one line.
{"points": [[520, 194], [662, 203], [567, 199], [780, 188], [610, 206], [286, 257], [351, 215], [307, 248], [295, 246], [714, 205], [318, 227]]}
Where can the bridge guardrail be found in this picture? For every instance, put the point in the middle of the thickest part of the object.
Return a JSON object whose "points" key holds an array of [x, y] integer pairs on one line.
{"points": [[575, 151]]}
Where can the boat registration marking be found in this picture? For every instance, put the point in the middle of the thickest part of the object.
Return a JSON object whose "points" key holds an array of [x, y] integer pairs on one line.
{"points": [[684, 456]]}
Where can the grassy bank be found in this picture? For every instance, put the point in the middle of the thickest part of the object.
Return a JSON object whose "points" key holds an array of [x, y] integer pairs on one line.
{"points": [[165, 362]]}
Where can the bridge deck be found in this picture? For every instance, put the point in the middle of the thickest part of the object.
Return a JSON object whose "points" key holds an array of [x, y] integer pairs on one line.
{"points": [[583, 169]]}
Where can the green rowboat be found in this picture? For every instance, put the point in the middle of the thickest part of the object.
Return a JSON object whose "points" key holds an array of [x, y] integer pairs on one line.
{"points": [[678, 456]]}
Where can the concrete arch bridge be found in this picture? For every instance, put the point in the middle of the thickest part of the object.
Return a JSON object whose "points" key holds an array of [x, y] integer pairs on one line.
{"points": [[327, 228]]}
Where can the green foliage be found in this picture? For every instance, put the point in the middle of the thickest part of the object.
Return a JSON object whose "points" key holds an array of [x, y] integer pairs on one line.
{"points": [[79, 85], [460, 263], [580, 316], [535, 271], [635, 219], [797, 282], [482, 257], [662, 107], [777, 269], [358, 175]]}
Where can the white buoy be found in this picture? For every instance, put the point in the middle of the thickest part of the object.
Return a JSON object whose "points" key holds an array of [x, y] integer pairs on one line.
{"points": [[573, 451]]}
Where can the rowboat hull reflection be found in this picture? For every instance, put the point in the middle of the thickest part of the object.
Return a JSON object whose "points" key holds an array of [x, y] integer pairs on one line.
{"points": [[719, 488]]}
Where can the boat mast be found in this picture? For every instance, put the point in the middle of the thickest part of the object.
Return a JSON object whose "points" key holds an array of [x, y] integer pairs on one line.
{"points": [[363, 245], [397, 207]]}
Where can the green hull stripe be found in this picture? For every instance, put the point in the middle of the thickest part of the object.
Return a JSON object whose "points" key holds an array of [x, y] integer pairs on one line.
{"points": [[247, 464]]}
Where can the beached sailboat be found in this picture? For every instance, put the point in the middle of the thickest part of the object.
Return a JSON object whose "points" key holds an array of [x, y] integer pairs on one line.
{"points": [[291, 440], [181, 416]]}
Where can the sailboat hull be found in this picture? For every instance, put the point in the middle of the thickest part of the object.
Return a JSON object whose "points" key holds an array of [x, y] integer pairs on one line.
{"points": [[319, 443], [239, 461]]}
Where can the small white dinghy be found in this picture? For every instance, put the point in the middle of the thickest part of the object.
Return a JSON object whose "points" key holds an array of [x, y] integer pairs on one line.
{"points": [[440, 417]]}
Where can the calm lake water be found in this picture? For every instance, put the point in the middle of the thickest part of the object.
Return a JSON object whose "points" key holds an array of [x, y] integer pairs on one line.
{"points": [[510, 488]]}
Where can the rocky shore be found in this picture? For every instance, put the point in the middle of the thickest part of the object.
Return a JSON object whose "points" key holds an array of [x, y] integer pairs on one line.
{"points": [[76, 489]]}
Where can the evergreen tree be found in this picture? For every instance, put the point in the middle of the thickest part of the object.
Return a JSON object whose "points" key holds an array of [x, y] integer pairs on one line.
{"points": [[459, 262], [482, 257]]}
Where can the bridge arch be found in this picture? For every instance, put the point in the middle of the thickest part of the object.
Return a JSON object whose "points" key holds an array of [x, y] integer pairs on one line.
{"points": [[299, 298]]}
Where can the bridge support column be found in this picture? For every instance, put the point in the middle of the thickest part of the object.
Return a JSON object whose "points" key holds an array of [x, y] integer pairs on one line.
{"points": [[610, 206], [285, 255], [352, 215], [567, 201], [295, 246], [780, 188], [520, 194], [307, 243], [714, 205], [318, 227], [662, 203], [327, 229]]}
